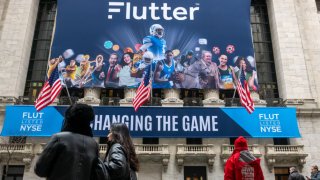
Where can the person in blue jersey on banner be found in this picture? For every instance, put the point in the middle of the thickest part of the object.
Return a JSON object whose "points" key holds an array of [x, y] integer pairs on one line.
{"points": [[164, 71], [154, 42]]}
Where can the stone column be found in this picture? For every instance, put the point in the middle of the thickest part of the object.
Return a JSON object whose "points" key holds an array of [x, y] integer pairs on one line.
{"points": [[172, 98], [91, 96], [309, 27], [290, 62], [211, 98], [17, 25], [128, 97]]}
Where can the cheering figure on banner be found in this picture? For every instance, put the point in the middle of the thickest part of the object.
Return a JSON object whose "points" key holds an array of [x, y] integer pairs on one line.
{"points": [[249, 73], [50, 90], [242, 164], [155, 42]]}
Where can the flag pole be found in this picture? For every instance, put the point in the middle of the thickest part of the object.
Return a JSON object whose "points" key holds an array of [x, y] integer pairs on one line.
{"points": [[235, 89], [151, 79], [69, 97], [53, 33]]}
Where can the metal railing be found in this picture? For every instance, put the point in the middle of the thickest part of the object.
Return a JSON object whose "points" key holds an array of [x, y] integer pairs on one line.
{"points": [[195, 149], [151, 149], [284, 149], [227, 149]]}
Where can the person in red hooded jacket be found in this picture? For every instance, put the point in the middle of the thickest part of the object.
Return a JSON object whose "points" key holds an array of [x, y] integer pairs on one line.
{"points": [[242, 165]]}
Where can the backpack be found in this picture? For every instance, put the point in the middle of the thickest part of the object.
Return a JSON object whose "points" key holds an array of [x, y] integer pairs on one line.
{"points": [[99, 171]]}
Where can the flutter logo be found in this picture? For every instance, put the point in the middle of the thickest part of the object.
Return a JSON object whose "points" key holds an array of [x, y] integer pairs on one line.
{"points": [[153, 11]]}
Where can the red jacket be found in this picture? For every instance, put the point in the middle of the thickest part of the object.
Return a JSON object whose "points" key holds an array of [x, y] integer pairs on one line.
{"points": [[238, 168]]}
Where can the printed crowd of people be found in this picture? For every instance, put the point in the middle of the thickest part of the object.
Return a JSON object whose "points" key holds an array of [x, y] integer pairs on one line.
{"points": [[167, 68], [186, 71]]}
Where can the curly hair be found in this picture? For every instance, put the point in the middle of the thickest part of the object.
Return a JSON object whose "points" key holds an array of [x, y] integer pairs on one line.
{"points": [[248, 68], [121, 135]]}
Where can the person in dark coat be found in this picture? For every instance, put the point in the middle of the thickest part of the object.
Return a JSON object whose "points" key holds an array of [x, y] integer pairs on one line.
{"points": [[242, 165], [71, 153], [294, 175], [315, 173], [121, 160]]}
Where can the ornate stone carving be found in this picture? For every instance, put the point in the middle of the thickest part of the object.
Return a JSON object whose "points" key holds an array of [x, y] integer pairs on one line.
{"points": [[195, 153], [211, 98], [284, 155], [172, 98], [91, 96]]}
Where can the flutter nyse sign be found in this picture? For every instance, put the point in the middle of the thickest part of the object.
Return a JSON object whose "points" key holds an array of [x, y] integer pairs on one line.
{"points": [[161, 122], [100, 43]]}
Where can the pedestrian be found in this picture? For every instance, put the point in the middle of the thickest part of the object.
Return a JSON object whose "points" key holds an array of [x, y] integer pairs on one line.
{"points": [[294, 174], [121, 160], [242, 164], [315, 174], [72, 153]]}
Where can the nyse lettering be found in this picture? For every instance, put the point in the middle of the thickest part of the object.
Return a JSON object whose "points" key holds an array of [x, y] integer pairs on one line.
{"points": [[153, 11], [270, 123], [30, 127]]}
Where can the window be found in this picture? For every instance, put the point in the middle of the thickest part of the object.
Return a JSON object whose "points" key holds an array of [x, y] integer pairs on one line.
{"points": [[281, 173], [195, 172], [194, 140], [40, 48], [318, 5], [13, 173], [281, 141], [150, 140], [232, 140], [263, 50]]}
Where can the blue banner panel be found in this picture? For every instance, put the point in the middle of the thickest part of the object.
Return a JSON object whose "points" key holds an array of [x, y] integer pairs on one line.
{"points": [[100, 43], [166, 122]]}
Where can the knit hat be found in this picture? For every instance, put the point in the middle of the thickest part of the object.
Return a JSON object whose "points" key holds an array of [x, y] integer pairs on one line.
{"points": [[240, 144]]}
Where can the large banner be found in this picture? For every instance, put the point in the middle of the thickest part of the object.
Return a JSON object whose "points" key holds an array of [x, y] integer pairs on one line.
{"points": [[191, 44], [162, 122]]}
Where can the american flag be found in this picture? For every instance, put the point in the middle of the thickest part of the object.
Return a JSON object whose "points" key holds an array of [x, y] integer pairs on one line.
{"points": [[49, 91], [244, 93], [143, 91]]}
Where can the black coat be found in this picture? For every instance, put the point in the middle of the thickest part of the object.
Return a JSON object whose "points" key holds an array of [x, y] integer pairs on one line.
{"points": [[117, 165], [295, 176], [67, 156]]}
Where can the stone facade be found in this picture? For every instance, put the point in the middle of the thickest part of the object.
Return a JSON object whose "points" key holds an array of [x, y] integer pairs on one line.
{"points": [[295, 27]]}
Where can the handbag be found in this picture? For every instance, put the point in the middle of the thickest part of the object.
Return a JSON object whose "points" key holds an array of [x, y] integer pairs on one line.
{"points": [[100, 171]]}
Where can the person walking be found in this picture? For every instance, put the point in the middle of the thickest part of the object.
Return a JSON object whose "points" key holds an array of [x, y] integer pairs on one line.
{"points": [[72, 153], [294, 174], [121, 160], [242, 164]]}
